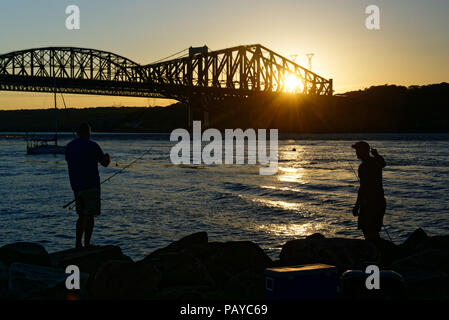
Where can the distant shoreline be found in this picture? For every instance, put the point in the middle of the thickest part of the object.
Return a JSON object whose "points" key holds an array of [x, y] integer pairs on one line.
{"points": [[380, 109], [408, 136]]}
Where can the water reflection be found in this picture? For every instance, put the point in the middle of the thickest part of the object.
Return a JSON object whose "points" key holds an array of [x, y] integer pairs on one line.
{"points": [[276, 203], [281, 188], [292, 229], [289, 174], [155, 202]]}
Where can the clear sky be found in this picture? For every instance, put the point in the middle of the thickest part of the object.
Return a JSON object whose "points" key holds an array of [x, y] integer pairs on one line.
{"points": [[411, 47]]}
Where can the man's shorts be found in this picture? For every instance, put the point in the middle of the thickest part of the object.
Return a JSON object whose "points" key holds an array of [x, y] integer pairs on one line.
{"points": [[88, 202]]}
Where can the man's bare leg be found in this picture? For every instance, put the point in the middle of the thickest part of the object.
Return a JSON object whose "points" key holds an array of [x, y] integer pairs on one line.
{"points": [[371, 235], [80, 225], [89, 228]]}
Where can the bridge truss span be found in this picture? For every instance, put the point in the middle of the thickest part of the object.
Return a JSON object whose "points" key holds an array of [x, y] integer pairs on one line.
{"points": [[247, 69], [240, 71]]}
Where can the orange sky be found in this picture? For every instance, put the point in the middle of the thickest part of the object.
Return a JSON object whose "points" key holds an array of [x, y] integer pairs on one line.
{"points": [[411, 48]]}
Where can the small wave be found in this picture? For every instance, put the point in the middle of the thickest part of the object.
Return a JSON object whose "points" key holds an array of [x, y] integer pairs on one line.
{"points": [[185, 166], [236, 186]]}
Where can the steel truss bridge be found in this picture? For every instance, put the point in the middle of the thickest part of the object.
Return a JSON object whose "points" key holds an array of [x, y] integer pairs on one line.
{"points": [[241, 71]]}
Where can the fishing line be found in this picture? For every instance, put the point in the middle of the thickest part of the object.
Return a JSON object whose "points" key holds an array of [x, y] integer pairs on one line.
{"points": [[353, 171], [385, 228], [67, 111], [114, 174]]}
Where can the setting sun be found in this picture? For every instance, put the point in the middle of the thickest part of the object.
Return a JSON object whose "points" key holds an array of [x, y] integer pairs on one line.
{"points": [[292, 83]]}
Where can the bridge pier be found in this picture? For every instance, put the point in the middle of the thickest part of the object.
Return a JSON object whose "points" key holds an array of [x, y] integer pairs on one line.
{"points": [[198, 111]]}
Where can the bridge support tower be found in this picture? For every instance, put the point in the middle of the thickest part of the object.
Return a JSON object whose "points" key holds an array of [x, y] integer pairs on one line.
{"points": [[198, 111]]}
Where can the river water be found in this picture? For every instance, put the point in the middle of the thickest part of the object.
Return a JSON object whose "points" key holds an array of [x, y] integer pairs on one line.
{"points": [[155, 202]]}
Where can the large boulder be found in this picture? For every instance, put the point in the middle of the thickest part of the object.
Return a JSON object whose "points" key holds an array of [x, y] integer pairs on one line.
{"points": [[231, 258], [4, 279], [192, 240], [179, 263], [432, 260], [315, 236], [388, 251], [341, 252], [245, 285], [28, 281], [353, 286], [416, 238], [193, 261], [429, 286], [426, 274], [194, 243], [436, 242], [179, 268], [419, 241], [413, 242], [89, 259], [124, 280], [25, 252]]}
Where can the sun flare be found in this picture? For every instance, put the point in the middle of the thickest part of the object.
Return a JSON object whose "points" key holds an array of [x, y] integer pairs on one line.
{"points": [[292, 83]]}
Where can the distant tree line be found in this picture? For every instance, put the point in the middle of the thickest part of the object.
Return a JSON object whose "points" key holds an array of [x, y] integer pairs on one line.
{"points": [[398, 108], [102, 119], [387, 108]]}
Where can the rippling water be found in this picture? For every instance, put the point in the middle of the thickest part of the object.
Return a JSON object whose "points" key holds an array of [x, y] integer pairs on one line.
{"points": [[155, 202]]}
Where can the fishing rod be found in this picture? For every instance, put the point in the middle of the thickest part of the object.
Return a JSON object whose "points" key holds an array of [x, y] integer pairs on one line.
{"points": [[385, 228], [66, 111], [115, 173]]}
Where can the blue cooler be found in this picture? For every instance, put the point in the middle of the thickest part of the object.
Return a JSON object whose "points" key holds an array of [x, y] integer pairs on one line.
{"points": [[305, 282]]}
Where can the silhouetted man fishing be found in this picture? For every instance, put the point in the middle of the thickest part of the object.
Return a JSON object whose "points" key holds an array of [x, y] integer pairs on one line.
{"points": [[82, 156], [370, 205]]}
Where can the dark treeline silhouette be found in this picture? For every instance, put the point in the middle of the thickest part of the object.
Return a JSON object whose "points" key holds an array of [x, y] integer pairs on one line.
{"points": [[102, 119], [402, 109], [387, 108]]}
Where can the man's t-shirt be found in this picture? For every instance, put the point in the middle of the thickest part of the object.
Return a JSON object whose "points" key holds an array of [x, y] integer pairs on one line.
{"points": [[82, 156], [371, 194], [370, 174]]}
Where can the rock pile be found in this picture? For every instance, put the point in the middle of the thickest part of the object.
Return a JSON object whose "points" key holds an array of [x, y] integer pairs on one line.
{"points": [[194, 268]]}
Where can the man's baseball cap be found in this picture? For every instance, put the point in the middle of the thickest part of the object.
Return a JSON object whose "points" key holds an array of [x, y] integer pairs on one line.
{"points": [[361, 145]]}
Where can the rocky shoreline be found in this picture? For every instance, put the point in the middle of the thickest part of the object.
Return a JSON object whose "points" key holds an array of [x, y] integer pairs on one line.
{"points": [[193, 268]]}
